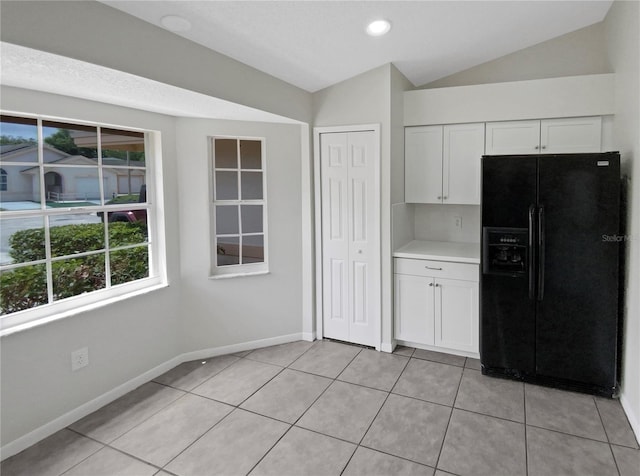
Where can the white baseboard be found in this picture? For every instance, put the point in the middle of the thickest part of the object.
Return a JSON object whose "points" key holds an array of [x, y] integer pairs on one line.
{"points": [[309, 336], [48, 429], [634, 421], [63, 421], [230, 349]]}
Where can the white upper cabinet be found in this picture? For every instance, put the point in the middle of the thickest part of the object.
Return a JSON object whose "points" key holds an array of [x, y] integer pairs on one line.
{"points": [[546, 136], [513, 137], [462, 153], [442, 163], [573, 135], [423, 164]]}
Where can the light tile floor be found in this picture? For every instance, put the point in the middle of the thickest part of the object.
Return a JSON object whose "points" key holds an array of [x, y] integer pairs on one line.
{"points": [[327, 408]]}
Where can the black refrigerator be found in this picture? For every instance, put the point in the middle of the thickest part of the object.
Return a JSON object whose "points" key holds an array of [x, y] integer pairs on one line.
{"points": [[550, 269]]}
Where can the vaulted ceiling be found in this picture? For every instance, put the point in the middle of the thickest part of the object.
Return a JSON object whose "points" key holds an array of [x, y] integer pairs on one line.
{"points": [[314, 44]]}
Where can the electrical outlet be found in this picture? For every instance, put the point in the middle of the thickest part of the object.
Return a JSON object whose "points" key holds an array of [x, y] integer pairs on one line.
{"points": [[457, 220], [79, 358]]}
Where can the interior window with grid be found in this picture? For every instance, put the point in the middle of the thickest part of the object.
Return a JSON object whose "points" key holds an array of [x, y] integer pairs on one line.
{"points": [[238, 212], [75, 221]]}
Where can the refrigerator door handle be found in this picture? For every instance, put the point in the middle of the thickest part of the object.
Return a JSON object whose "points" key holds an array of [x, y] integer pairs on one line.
{"points": [[541, 242], [531, 253]]}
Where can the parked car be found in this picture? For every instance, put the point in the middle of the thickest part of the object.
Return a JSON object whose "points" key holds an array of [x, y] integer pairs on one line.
{"points": [[131, 216]]}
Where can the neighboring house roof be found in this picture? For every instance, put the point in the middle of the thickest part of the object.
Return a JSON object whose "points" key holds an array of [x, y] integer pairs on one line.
{"points": [[12, 152], [8, 148]]}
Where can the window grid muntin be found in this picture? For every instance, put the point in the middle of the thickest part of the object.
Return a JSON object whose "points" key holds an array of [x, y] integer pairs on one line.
{"points": [[45, 214], [238, 202]]}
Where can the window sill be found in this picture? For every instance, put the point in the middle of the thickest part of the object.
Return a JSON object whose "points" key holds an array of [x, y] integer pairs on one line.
{"points": [[14, 329], [239, 275]]}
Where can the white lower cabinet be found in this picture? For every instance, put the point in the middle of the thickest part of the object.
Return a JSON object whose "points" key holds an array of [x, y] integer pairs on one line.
{"points": [[436, 305]]}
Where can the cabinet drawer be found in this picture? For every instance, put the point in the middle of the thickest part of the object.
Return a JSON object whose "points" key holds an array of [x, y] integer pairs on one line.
{"points": [[437, 269]]}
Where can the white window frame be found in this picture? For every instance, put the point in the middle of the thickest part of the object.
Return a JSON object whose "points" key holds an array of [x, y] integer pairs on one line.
{"points": [[4, 180], [243, 269], [54, 310]]}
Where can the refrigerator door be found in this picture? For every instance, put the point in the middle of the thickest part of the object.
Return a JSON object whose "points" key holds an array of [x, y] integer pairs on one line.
{"points": [[507, 313], [576, 326]]}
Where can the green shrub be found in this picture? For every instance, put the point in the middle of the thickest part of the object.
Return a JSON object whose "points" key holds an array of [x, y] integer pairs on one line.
{"points": [[23, 288], [26, 287]]}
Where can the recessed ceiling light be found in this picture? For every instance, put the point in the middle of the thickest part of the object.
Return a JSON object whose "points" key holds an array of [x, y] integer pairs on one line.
{"points": [[378, 27], [175, 23]]}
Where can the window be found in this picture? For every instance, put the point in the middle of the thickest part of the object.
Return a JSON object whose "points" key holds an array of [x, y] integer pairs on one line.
{"points": [[238, 212], [76, 226], [3, 180]]}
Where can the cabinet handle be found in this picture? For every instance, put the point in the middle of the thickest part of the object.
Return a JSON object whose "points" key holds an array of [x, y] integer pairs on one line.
{"points": [[440, 197], [429, 267], [445, 197], [537, 147], [437, 285], [544, 146], [430, 284]]}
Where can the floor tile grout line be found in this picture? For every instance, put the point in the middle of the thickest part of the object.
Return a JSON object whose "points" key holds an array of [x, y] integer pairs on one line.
{"points": [[108, 445], [334, 379], [324, 391], [286, 343], [205, 380], [613, 455], [310, 347], [376, 415], [84, 459], [310, 406], [137, 424], [568, 434], [196, 440], [604, 427], [269, 450], [444, 438], [395, 456]]}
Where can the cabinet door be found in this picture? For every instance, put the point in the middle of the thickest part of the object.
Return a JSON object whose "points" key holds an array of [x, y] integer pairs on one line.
{"points": [[513, 137], [572, 135], [414, 309], [423, 164], [456, 314], [462, 151]]}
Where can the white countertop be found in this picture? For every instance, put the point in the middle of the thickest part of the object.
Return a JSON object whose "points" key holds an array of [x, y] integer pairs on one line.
{"points": [[440, 251]]}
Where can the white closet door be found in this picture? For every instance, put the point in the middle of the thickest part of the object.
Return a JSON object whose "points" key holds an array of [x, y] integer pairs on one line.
{"points": [[350, 234], [364, 231], [335, 235]]}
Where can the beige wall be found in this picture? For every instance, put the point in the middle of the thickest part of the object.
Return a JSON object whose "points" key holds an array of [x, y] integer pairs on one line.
{"points": [[622, 27], [580, 52], [366, 99], [220, 312], [125, 339]]}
